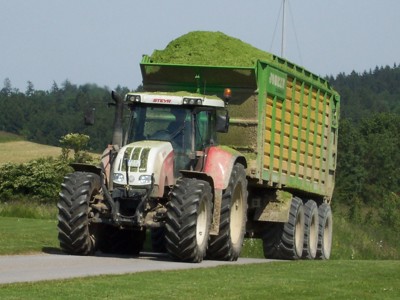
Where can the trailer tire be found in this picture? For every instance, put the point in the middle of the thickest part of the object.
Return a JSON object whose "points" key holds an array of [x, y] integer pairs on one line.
{"points": [[324, 231], [76, 234], [122, 241], [285, 240], [188, 220], [311, 226], [228, 243]]}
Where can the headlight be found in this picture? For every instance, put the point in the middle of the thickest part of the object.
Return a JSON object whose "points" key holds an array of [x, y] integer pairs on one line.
{"points": [[119, 177], [133, 98], [145, 179], [192, 101]]}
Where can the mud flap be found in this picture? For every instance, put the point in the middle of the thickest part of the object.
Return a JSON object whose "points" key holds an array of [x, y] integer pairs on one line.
{"points": [[274, 207]]}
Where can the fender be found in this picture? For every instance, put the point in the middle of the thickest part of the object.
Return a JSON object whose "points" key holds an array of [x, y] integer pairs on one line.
{"points": [[79, 167], [219, 164]]}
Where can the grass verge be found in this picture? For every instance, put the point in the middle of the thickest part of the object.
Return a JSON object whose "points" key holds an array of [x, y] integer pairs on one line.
{"points": [[21, 235], [350, 241], [26, 209], [276, 280]]}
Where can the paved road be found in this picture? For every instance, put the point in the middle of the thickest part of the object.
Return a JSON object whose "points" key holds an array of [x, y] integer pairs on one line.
{"points": [[26, 268]]}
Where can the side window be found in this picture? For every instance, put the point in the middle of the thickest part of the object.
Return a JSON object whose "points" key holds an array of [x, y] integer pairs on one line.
{"points": [[204, 129]]}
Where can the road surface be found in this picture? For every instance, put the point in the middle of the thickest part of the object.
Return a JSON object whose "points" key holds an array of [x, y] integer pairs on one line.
{"points": [[46, 266]]}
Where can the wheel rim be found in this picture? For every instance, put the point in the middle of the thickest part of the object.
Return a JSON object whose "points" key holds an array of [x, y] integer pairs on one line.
{"points": [[236, 215], [201, 225]]}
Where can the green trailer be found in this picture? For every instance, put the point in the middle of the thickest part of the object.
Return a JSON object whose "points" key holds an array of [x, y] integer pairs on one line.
{"points": [[284, 120]]}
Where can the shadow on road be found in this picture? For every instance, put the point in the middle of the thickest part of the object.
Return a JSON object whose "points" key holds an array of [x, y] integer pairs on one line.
{"points": [[146, 255]]}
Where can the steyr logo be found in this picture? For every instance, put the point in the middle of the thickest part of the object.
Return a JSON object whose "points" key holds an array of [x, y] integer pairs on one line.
{"points": [[160, 100]]}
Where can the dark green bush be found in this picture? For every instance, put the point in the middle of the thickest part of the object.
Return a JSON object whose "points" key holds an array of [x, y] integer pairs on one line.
{"points": [[38, 179]]}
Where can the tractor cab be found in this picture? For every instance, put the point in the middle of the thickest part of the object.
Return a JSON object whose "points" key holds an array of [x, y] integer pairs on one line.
{"points": [[189, 124]]}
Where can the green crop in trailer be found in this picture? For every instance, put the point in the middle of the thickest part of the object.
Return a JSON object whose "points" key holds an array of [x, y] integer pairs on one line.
{"points": [[210, 49]]}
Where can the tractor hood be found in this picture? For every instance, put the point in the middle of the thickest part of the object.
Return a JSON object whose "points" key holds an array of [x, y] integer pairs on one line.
{"points": [[142, 161]]}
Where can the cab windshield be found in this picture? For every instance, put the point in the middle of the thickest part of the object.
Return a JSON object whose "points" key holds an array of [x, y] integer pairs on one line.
{"points": [[187, 129]]}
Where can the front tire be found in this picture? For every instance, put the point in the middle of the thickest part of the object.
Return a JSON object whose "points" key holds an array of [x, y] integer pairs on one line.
{"points": [[188, 220], [76, 233], [228, 243]]}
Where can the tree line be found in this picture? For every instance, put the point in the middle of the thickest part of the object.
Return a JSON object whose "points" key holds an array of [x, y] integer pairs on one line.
{"points": [[45, 116], [369, 142]]}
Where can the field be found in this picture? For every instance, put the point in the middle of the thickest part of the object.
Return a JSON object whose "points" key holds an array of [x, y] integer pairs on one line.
{"points": [[14, 149]]}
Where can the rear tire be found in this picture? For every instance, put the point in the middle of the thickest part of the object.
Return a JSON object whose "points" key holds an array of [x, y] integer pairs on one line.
{"points": [[76, 233], [285, 240], [228, 243], [310, 230], [324, 231], [188, 220]]}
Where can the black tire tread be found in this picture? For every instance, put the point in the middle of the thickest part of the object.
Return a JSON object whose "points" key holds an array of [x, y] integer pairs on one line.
{"points": [[73, 230], [180, 236], [279, 238], [310, 212], [324, 213]]}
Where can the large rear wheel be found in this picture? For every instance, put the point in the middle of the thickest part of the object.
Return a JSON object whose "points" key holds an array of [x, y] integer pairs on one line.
{"points": [[188, 220], [76, 233], [228, 243]]}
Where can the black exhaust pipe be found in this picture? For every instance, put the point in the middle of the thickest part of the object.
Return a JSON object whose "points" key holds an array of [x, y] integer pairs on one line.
{"points": [[117, 127]]}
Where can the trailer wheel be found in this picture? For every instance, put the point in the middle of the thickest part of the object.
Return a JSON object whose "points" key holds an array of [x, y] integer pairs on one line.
{"points": [[76, 233], [122, 241], [325, 231], [285, 240], [228, 243], [188, 220], [310, 230]]}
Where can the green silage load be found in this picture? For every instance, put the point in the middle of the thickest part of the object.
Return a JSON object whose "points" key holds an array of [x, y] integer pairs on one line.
{"points": [[209, 49]]}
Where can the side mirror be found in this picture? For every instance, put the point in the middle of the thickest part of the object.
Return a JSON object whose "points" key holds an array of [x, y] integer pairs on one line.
{"points": [[89, 116], [222, 121]]}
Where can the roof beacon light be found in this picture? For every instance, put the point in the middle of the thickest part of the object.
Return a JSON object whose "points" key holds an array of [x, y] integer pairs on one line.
{"points": [[227, 94]]}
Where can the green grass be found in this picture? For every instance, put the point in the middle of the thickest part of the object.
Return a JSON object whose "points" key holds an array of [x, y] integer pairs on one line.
{"points": [[363, 241], [28, 209], [277, 280], [22, 235]]}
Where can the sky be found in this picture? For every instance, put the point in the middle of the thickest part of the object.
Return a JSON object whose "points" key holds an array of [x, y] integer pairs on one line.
{"points": [[102, 41]]}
